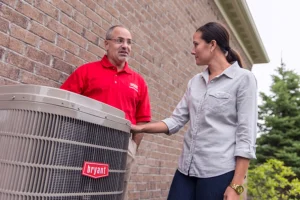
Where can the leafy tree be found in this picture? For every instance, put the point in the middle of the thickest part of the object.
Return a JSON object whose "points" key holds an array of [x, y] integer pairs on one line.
{"points": [[279, 121], [273, 181]]}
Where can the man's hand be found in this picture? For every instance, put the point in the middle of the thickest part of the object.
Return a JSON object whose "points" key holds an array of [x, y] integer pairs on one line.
{"points": [[230, 194], [137, 133]]}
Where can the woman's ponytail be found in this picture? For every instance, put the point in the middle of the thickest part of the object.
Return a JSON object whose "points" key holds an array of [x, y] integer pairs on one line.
{"points": [[233, 56]]}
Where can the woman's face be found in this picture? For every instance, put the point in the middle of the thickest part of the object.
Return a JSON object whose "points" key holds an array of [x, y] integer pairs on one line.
{"points": [[201, 49]]}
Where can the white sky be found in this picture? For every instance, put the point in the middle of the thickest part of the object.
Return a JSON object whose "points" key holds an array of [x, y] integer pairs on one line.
{"points": [[278, 23]]}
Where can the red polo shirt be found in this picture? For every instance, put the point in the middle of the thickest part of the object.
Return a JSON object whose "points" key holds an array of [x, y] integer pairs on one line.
{"points": [[125, 90]]}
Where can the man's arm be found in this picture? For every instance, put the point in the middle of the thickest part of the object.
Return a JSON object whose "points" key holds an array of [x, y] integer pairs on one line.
{"points": [[75, 82], [143, 113], [137, 137]]}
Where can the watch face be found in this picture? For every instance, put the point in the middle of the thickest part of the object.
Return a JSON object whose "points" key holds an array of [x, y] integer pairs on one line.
{"points": [[239, 189]]}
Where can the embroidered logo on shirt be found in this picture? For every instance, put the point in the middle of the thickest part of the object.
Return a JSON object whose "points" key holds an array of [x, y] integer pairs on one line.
{"points": [[134, 86]]}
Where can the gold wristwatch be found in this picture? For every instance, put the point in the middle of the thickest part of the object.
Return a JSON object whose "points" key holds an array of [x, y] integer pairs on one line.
{"points": [[239, 189]]}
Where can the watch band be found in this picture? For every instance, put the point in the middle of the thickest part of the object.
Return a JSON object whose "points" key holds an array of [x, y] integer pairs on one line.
{"points": [[239, 189]]}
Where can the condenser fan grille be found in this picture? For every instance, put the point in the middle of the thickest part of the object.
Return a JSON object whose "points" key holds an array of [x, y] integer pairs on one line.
{"points": [[42, 156]]}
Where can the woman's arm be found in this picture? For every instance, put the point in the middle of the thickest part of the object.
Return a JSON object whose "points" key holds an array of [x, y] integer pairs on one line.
{"points": [[247, 118], [170, 125], [155, 127], [241, 168], [245, 133]]}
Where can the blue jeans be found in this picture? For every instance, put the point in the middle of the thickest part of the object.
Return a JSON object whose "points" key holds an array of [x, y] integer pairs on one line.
{"points": [[191, 188]]}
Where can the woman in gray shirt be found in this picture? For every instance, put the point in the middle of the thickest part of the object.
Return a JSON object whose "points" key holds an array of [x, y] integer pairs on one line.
{"points": [[221, 105]]}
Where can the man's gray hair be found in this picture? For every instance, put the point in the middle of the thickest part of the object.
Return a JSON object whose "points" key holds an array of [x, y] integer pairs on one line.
{"points": [[110, 30]]}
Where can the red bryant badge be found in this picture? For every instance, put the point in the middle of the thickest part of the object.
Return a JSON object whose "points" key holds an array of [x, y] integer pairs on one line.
{"points": [[95, 170]]}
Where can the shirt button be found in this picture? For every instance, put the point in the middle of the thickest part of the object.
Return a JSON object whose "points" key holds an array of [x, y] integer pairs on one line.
{"points": [[115, 81]]}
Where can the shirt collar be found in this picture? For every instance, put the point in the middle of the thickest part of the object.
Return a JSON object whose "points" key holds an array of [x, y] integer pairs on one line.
{"points": [[107, 64], [229, 72]]}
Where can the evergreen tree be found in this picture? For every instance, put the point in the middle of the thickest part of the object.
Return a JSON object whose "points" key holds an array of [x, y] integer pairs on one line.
{"points": [[279, 121]]}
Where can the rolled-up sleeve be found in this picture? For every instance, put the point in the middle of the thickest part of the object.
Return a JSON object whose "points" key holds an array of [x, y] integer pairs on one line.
{"points": [[247, 117], [180, 115]]}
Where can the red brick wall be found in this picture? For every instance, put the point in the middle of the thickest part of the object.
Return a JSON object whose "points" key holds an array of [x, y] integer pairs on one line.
{"points": [[43, 41]]}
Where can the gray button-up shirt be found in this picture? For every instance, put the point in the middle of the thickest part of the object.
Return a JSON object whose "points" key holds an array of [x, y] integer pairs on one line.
{"points": [[223, 117]]}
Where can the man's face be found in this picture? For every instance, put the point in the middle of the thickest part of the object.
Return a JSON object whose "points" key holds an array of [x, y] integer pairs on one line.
{"points": [[118, 46]]}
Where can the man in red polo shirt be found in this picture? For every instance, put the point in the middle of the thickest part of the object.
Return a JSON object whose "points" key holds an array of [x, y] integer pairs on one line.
{"points": [[111, 81]]}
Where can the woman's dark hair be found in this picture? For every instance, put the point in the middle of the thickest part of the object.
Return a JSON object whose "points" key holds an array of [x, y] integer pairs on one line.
{"points": [[215, 31]]}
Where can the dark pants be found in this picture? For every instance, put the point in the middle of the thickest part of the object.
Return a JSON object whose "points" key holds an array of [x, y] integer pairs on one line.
{"points": [[191, 188]]}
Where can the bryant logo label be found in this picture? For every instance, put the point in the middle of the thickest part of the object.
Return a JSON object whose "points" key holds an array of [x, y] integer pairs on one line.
{"points": [[95, 170], [134, 86]]}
